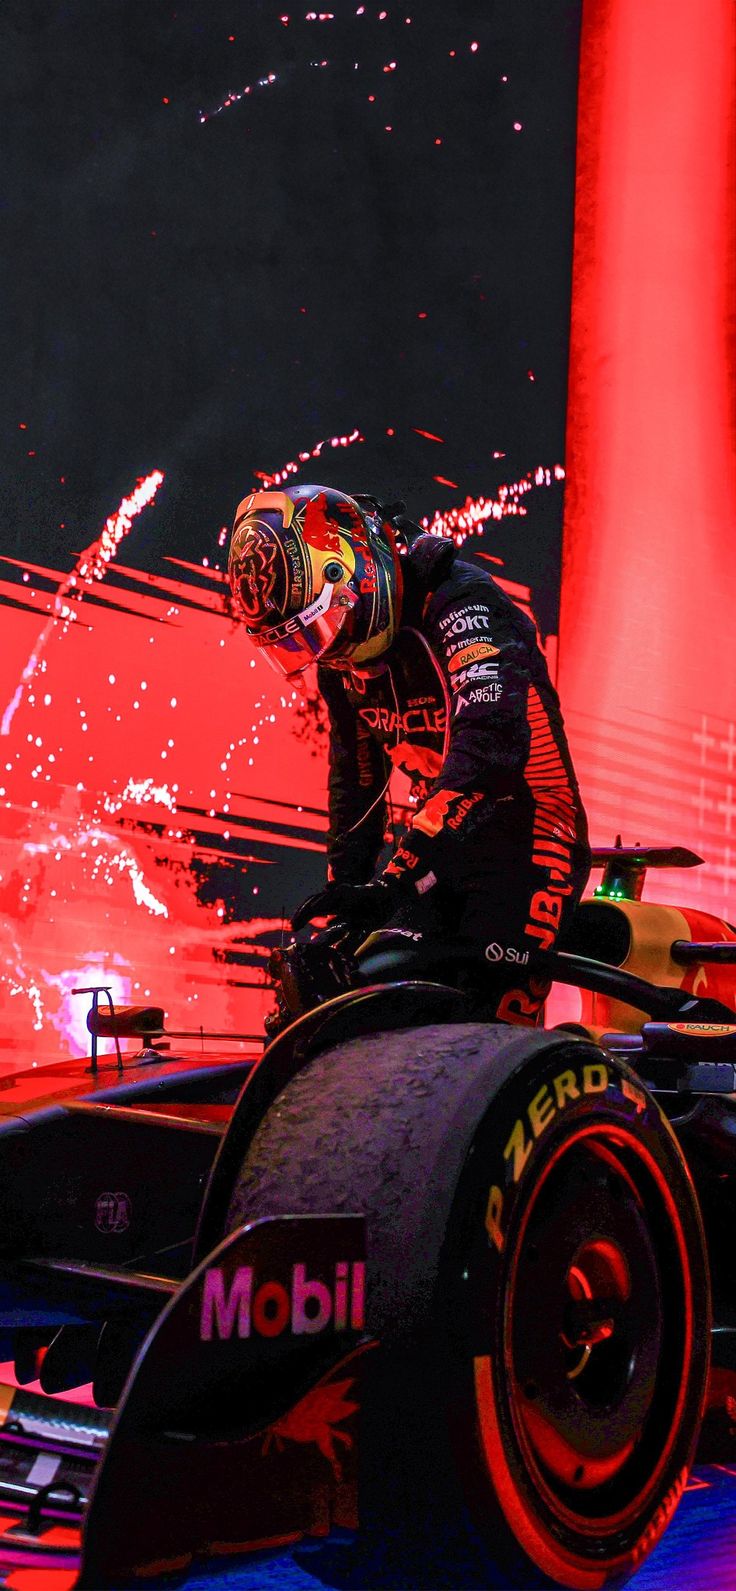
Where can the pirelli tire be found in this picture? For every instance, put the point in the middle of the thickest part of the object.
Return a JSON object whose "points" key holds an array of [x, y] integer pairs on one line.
{"points": [[537, 1279]]}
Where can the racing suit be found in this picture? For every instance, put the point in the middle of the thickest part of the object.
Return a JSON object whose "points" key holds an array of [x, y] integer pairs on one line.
{"points": [[496, 853]]}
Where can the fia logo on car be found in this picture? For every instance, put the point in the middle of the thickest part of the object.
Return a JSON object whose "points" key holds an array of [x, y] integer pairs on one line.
{"points": [[113, 1212], [237, 1307]]}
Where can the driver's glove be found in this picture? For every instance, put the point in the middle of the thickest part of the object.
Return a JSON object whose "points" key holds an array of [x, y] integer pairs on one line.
{"points": [[359, 905]]}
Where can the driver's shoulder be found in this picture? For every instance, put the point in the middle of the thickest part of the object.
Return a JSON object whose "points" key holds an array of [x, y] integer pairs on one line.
{"points": [[468, 592]]}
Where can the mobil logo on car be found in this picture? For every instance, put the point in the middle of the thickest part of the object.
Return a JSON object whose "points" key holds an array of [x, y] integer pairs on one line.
{"points": [[241, 1305]]}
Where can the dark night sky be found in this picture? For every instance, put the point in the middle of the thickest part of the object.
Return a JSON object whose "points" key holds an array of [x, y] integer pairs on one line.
{"points": [[208, 298]]}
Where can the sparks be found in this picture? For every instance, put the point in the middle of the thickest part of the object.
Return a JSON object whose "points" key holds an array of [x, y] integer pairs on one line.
{"points": [[459, 523], [251, 88], [294, 465], [90, 566], [235, 98], [29, 990], [125, 862], [141, 791]]}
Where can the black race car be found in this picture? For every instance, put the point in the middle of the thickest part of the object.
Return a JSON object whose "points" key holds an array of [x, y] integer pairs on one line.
{"points": [[455, 1295]]}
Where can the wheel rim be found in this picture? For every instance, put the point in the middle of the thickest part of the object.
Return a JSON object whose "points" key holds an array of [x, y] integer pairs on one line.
{"points": [[594, 1387]]}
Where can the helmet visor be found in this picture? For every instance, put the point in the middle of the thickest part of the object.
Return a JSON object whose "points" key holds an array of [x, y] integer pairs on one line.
{"points": [[291, 646]]}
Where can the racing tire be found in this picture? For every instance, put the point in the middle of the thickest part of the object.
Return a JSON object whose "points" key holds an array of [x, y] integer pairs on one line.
{"points": [[531, 1227]]}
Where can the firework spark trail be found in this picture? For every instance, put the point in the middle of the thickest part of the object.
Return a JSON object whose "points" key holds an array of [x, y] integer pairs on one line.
{"points": [[90, 566], [459, 523], [141, 791], [29, 990], [234, 98], [294, 465], [125, 862]]}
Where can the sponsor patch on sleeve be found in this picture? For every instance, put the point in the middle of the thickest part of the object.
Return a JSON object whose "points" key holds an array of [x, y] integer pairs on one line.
{"points": [[486, 695], [468, 620], [477, 674], [472, 654]]}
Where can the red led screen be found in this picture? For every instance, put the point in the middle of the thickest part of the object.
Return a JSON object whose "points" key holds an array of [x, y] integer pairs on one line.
{"points": [[647, 672], [162, 793]]}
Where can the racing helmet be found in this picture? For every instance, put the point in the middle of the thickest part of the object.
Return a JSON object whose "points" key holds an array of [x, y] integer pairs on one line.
{"points": [[314, 576]]}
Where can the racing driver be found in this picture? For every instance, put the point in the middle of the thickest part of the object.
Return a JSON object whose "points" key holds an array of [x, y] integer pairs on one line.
{"points": [[426, 665]]}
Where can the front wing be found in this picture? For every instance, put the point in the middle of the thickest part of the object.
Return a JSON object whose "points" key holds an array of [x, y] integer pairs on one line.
{"points": [[236, 1430]]}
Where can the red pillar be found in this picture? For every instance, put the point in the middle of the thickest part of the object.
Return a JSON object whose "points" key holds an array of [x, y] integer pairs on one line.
{"points": [[648, 622]]}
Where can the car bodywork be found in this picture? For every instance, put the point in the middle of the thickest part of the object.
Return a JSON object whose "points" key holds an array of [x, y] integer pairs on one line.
{"points": [[115, 1276]]}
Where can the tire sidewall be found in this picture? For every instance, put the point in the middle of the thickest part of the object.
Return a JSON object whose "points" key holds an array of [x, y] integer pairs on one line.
{"points": [[538, 1117]]}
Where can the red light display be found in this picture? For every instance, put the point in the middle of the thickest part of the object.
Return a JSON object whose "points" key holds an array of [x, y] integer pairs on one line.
{"points": [[647, 674], [162, 796], [117, 806]]}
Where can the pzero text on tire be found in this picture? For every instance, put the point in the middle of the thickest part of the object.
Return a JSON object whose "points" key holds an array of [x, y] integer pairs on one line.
{"points": [[538, 1281]]}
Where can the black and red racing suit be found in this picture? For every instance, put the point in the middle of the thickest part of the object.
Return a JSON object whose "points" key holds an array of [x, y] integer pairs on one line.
{"points": [[497, 851]]}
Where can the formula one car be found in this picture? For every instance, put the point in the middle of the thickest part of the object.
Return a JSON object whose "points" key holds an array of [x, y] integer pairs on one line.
{"points": [[442, 1291]]}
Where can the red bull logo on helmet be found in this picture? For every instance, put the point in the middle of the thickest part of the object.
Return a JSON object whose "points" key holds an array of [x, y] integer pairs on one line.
{"points": [[242, 1306]]}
